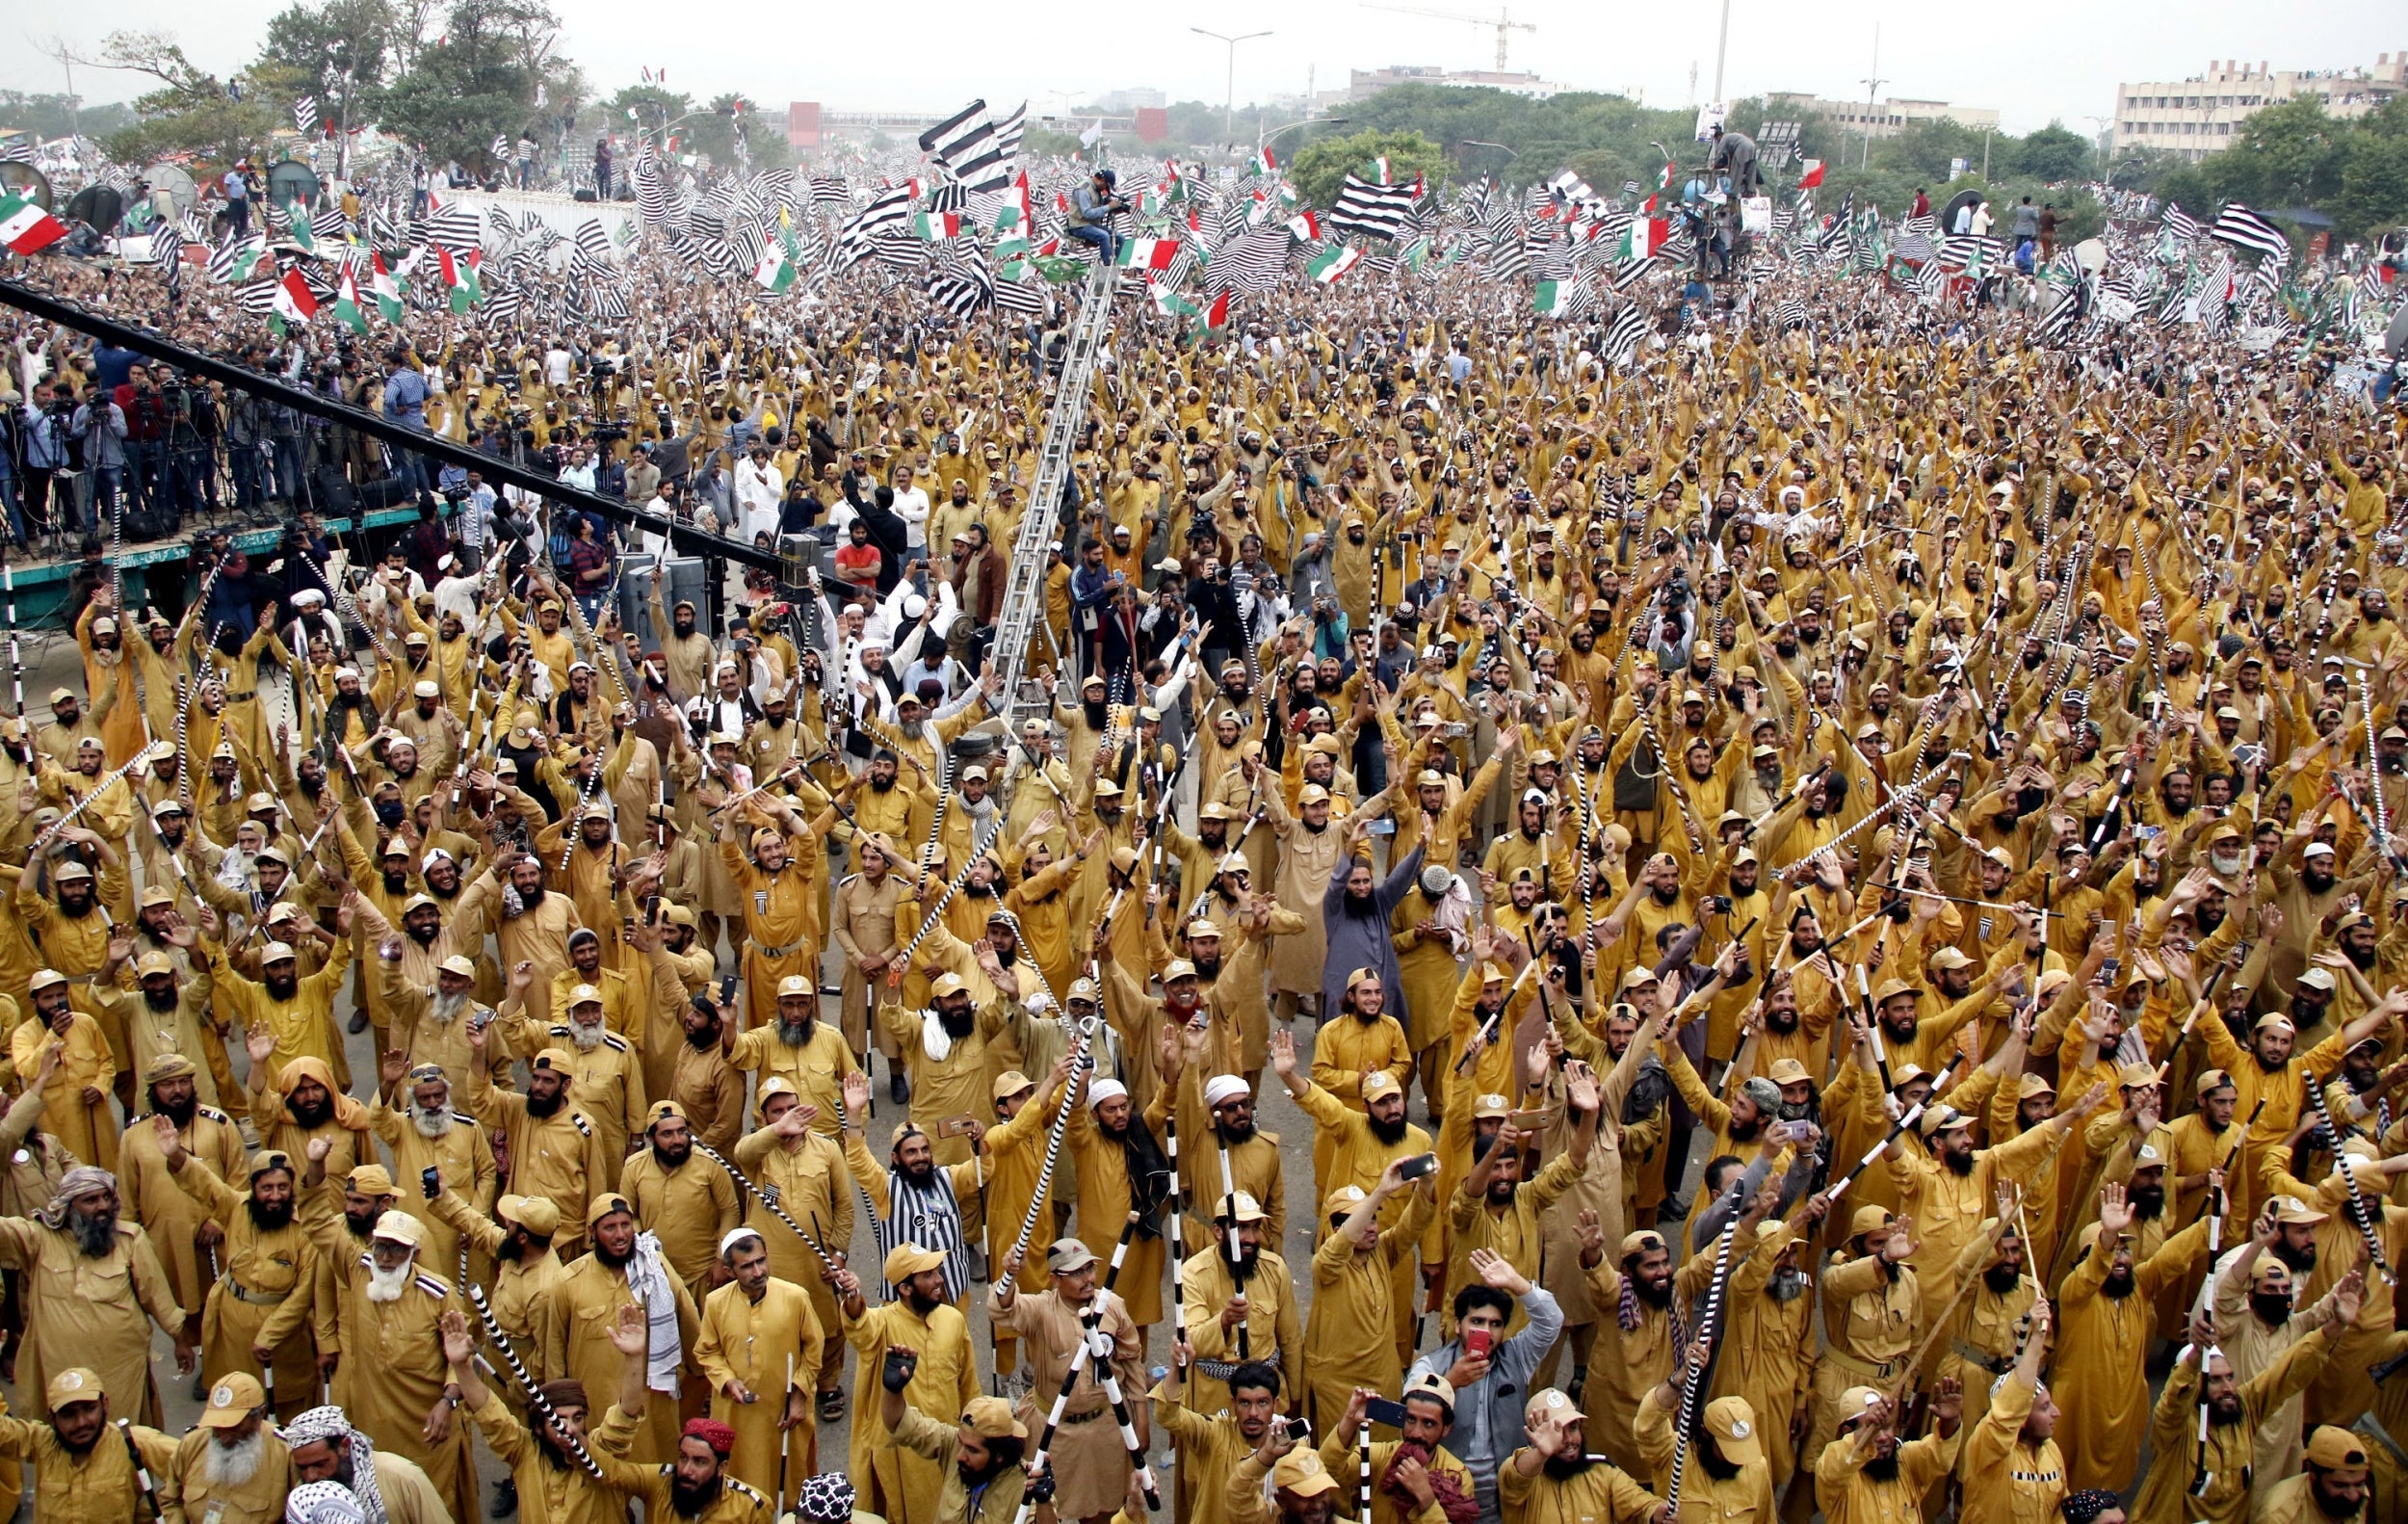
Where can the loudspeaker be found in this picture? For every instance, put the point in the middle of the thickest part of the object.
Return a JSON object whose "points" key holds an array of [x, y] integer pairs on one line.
{"points": [[334, 494], [681, 582]]}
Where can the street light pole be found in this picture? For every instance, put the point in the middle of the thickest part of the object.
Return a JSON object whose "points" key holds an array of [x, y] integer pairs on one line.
{"points": [[1262, 140], [1723, 43], [1229, 98]]}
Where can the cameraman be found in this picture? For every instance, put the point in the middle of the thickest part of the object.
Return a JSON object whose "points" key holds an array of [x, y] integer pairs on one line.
{"points": [[1091, 208], [99, 425], [52, 457]]}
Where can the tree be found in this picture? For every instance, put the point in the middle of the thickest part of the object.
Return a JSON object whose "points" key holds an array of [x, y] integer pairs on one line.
{"points": [[2374, 171], [478, 81], [48, 116], [338, 53], [2051, 155], [1320, 170], [192, 111], [2286, 155]]}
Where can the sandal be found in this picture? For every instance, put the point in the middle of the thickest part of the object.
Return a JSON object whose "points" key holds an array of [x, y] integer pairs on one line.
{"points": [[831, 1406]]}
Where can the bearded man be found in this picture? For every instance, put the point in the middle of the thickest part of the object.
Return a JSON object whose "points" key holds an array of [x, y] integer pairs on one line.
{"points": [[92, 1286], [385, 1317], [412, 1113], [234, 1467], [253, 1315]]}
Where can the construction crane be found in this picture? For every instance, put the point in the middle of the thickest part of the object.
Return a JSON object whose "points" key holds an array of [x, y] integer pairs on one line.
{"points": [[1503, 22]]}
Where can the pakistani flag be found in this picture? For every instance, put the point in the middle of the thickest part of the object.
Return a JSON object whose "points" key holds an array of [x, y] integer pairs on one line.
{"points": [[1262, 163], [25, 227], [347, 304], [1554, 298], [1332, 262], [296, 228], [293, 303], [387, 287], [937, 227]]}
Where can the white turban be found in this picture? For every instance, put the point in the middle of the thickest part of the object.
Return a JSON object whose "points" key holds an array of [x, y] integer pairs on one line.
{"points": [[1101, 1091], [1224, 1088]]}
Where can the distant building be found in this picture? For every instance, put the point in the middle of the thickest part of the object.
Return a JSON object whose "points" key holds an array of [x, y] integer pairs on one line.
{"points": [[2195, 117], [1879, 118], [1124, 102], [1366, 83]]}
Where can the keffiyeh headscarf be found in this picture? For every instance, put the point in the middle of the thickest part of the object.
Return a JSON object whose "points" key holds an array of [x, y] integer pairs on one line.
{"points": [[331, 1424], [322, 1503], [83, 1180]]}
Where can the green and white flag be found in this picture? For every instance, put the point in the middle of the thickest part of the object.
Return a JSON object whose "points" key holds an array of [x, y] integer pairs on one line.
{"points": [[775, 274], [1417, 254], [1170, 302], [347, 304], [1554, 298], [296, 228], [244, 262]]}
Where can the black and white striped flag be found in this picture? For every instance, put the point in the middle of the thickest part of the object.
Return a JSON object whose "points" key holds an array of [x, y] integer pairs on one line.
{"points": [[2242, 229], [969, 149], [2180, 222], [305, 116], [1623, 339], [1369, 210]]}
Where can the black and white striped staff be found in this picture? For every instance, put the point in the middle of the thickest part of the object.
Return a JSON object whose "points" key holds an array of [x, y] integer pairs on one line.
{"points": [[767, 1198], [16, 663], [2349, 1179], [1096, 1346], [929, 918], [536, 1400], [1363, 1469], [1707, 1330], [1079, 1060]]}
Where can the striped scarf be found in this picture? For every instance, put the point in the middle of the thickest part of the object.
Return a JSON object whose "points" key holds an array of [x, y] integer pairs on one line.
{"points": [[1628, 1312]]}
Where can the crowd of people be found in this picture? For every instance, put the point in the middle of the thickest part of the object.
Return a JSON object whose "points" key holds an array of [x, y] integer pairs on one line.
{"points": [[1822, 906]]}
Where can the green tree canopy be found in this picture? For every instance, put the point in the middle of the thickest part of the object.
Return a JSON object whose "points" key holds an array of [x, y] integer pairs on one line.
{"points": [[1321, 167], [190, 110], [478, 80]]}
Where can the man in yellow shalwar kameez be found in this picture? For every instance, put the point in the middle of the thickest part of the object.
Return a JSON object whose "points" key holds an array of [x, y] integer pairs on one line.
{"points": [[760, 1348]]}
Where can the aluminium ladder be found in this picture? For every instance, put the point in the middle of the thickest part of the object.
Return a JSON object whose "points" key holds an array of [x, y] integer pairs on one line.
{"points": [[1032, 550]]}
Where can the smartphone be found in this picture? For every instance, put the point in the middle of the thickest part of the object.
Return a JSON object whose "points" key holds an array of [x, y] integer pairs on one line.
{"points": [[1418, 1166], [1478, 1342], [727, 989], [2111, 966], [1380, 1410], [431, 1182], [1529, 1121], [955, 1126], [1299, 1430]]}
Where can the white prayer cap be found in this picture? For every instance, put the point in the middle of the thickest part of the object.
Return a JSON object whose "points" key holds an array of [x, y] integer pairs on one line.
{"points": [[1224, 1088], [1102, 1090], [735, 1236]]}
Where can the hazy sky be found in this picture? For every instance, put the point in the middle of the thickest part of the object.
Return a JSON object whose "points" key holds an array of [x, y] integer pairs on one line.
{"points": [[2058, 59]]}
